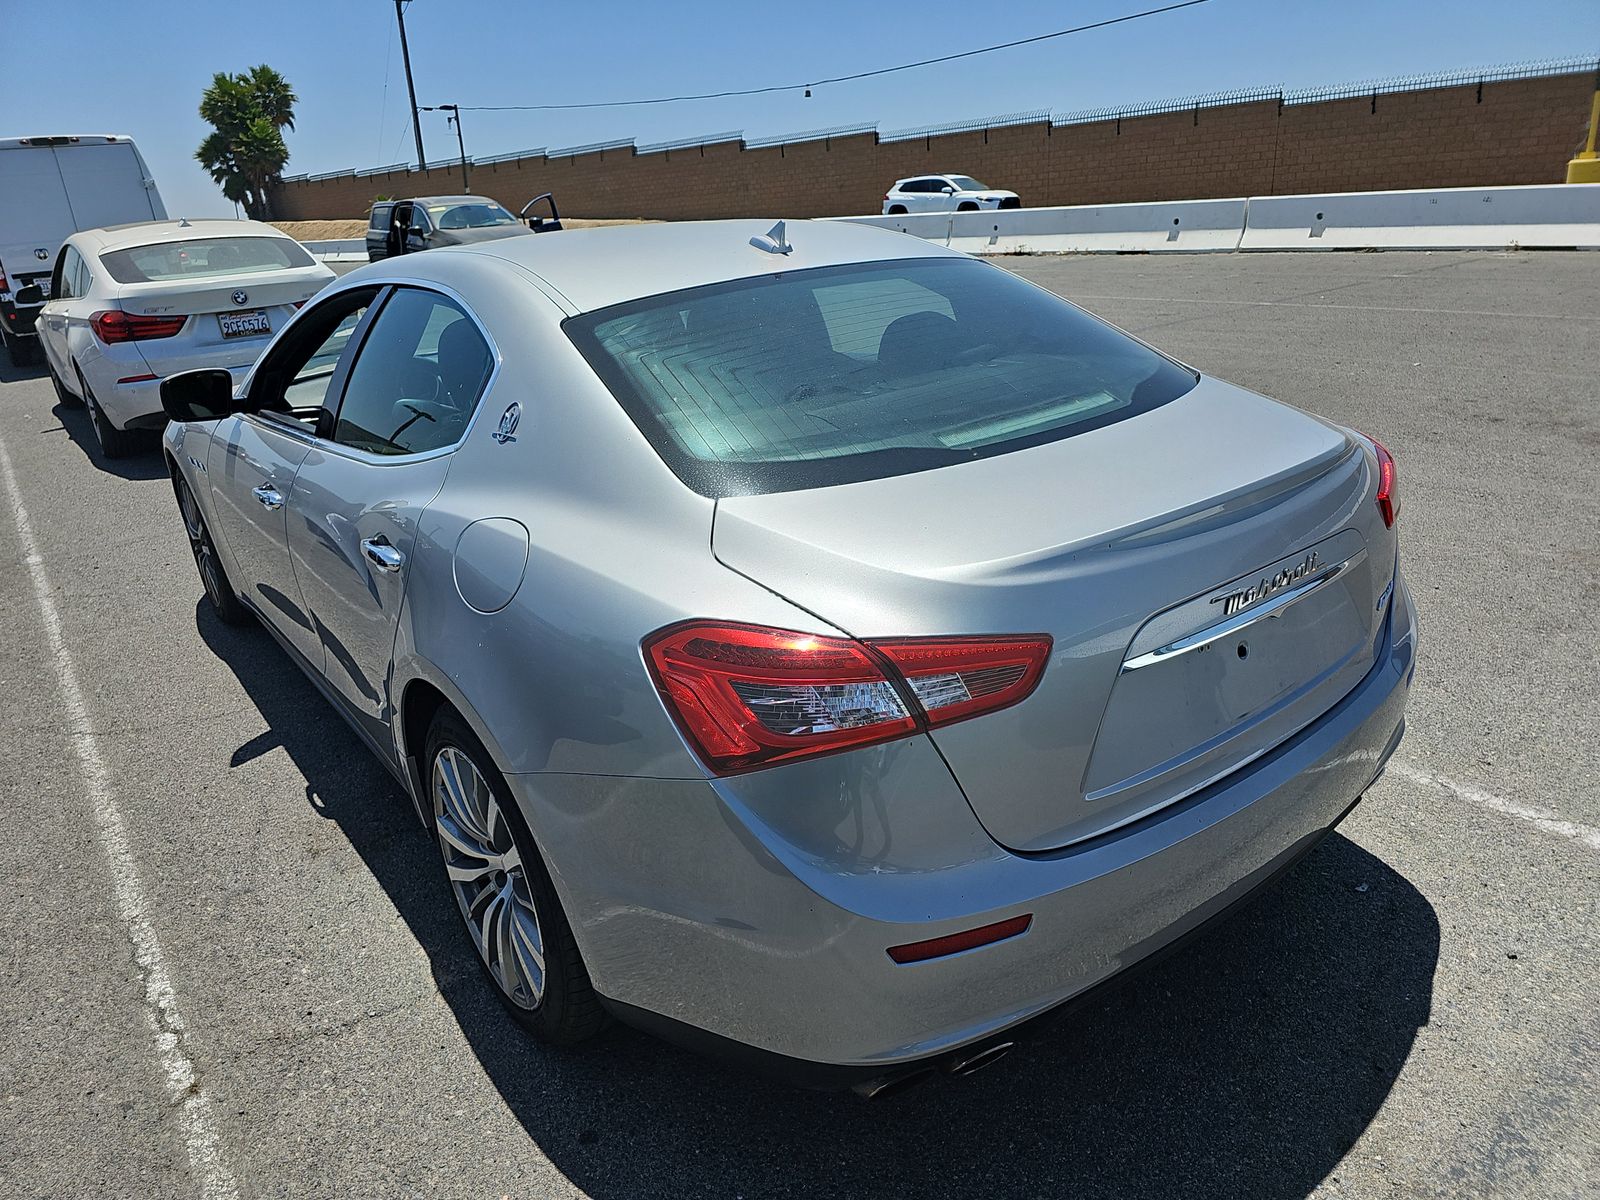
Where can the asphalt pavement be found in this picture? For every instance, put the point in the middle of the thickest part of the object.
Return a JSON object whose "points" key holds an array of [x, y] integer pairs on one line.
{"points": [[229, 965]]}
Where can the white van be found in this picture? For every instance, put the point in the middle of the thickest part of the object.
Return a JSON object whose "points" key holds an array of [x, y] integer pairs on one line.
{"points": [[50, 188]]}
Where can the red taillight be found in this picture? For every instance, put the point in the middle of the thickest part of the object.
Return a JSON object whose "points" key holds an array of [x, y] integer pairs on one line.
{"points": [[1388, 486], [114, 325], [6, 287], [967, 939], [747, 696]]}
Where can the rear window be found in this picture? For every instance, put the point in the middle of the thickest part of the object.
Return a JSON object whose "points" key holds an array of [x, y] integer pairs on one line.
{"points": [[469, 216], [839, 374], [204, 258]]}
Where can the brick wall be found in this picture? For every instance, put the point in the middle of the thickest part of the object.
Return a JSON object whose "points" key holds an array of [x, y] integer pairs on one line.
{"points": [[1506, 132]]}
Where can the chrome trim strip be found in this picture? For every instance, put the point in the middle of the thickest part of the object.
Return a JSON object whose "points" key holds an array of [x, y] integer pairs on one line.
{"points": [[1231, 625]]}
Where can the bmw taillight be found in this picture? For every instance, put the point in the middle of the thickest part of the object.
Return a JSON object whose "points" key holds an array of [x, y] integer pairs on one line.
{"points": [[1388, 483], [114, 325], [747, 696]]}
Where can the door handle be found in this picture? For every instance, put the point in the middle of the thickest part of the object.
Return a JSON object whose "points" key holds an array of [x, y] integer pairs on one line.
{"points": [[269, 496], [380, 554]]}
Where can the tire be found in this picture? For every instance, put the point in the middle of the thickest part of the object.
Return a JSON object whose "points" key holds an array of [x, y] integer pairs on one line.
{"points": [[509, 909], [966, 206], [897, 210], [219, 591], [68, 400], [114, 442]]}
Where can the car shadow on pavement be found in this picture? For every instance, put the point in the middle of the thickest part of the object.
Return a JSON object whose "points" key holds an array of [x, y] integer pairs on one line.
{"points": [[1247, 1064], [144, 463]]}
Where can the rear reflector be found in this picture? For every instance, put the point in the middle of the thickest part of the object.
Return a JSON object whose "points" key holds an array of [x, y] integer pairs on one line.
{"points": [[747, 696], [136, 379], [1388, 490], [967, 939], [114, 325]]}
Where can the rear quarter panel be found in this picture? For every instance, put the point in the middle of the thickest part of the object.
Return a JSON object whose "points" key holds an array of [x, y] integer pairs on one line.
{"points": [[617, 547]]}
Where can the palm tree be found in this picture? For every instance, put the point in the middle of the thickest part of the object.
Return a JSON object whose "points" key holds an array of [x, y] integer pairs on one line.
{"points": [[246, 154]]}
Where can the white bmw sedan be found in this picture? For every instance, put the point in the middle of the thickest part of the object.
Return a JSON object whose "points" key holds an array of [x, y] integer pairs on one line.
{"points": [[132, 304]]}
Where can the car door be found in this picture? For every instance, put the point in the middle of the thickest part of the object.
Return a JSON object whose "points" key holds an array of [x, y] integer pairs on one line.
{"points": [[405, 406], [940, 199], [52, 324], [254, 457], [928, 198]]}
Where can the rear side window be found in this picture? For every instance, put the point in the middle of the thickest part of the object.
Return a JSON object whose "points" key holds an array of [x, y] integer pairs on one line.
{"points": [[380, 217], [204, 258], [417, 378], [812, 378]]}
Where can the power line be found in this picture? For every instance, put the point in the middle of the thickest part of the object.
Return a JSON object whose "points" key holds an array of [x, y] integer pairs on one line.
{"points": [[806, 87]]}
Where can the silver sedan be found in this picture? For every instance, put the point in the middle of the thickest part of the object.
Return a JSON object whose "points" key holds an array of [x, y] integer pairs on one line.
{"points": [[808, 643]]}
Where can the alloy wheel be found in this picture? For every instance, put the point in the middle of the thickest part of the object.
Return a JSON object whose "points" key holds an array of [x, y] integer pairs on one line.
{"points": [[205, 555], [486, 873]]}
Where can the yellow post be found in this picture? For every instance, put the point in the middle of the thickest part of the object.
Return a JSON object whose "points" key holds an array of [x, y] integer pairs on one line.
{"points": [[1586, 167]]}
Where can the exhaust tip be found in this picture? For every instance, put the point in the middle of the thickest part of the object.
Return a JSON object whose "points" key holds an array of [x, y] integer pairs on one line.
{"points": [[882, 1089], [988, 1056]]}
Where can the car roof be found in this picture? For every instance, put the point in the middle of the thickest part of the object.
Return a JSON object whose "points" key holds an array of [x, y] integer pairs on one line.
{"points": [[596, 268], [445, 200], [146, 233]]}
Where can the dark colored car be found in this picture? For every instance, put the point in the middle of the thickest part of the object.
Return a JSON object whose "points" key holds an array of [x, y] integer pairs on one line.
{"points": [[427, 222]]}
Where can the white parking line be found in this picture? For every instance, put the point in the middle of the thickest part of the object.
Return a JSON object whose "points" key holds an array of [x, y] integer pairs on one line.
{"points": [[161, 1010], [1548, 821]]}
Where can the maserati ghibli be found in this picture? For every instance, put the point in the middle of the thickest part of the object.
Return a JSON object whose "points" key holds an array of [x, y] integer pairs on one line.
{"points": [[806, 642]]}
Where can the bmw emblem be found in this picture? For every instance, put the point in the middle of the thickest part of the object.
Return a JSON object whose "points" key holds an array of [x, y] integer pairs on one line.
{"points": [[241, 297], [508, 425]]}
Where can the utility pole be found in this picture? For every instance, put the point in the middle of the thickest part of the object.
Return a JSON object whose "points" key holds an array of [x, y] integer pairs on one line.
{"points": [[411, 88], [461, 145]]}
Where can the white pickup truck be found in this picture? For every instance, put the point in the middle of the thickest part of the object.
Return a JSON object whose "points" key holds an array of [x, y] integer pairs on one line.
{"points": [[50, 188]]}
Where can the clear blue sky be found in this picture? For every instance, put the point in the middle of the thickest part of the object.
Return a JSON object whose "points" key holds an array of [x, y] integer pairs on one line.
{"points": [[140, 68]]}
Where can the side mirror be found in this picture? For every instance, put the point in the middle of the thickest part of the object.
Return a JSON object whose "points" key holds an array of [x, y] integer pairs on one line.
{"points": [[948, 190], [202, 395], [29, 295]]}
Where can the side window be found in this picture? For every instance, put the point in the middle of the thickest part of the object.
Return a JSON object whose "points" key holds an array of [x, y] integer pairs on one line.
{"points": [[417, 379], [81, 278], [295, 377], [856, 314], [61, 280], [379, 221]]}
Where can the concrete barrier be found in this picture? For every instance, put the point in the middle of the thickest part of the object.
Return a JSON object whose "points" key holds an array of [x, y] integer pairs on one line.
{"points": [[1538, 216], [321, 249], [1192, 226]]}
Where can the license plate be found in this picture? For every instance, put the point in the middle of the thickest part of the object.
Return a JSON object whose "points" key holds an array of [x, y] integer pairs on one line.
{"points": [[43, 284], [244, 324]]}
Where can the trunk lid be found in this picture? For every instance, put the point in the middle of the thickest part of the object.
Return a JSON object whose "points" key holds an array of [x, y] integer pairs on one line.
{"points": [[1124, 544], [173, 297]]}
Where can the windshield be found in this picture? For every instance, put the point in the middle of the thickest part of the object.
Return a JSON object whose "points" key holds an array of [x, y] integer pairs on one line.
{"points": [[204, 258], [480, 215], [967, 183], [838, 374]]}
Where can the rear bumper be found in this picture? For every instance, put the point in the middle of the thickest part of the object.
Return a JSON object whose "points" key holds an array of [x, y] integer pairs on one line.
{"points": [[127, 405], [19, 322], [703, 917]]}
